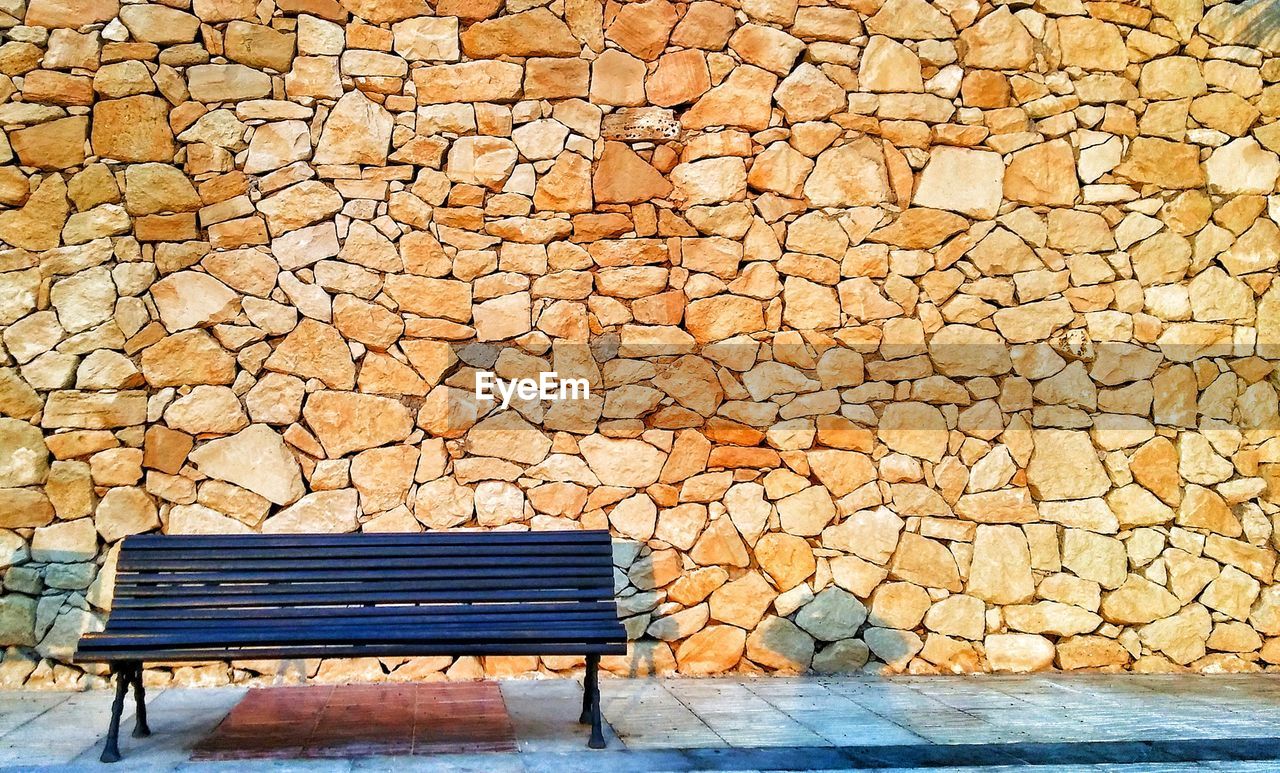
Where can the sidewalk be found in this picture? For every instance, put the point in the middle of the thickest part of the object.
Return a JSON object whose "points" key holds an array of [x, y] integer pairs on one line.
{"points": [[1057, 723]]}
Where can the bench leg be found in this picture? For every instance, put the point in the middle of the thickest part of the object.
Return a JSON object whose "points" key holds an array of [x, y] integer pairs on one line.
{"points": [[585, 717], [140, 728], [592, 695], [111, 750]]}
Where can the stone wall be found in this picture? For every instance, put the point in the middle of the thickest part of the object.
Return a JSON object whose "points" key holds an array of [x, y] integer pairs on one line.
{"points": [[923, 337]]}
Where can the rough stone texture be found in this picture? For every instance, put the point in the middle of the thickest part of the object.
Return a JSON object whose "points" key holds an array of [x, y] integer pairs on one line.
{"points": [[926, 336]]}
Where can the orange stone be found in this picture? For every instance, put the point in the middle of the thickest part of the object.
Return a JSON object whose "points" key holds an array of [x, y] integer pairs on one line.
{"points": [[53, 145], [985, 88], [133, 129], [617, 78], [565, 188], [179, 227], [643, 28], [592, 226], [165, 449], [736, 456], [680, 77], [623, 177], [538, 32], [706, 25], [552, 78], [471, 10], [57, 88], [720, 430]]}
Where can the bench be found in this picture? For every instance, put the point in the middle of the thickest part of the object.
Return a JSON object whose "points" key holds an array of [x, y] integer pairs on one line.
{"points": [[258, 596]]}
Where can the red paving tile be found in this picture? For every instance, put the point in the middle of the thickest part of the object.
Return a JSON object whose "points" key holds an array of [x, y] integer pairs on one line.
{"points": [[326, 721]]}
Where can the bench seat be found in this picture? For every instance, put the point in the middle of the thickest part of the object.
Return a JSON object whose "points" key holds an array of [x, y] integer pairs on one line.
{"points": [[200, 598]]}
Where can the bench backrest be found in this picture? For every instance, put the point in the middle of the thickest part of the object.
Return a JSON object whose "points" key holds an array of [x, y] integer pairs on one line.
{"points": [[370, 588]]}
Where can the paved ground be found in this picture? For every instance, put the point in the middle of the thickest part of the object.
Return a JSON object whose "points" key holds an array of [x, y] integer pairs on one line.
{"points": [[1053, 724]]}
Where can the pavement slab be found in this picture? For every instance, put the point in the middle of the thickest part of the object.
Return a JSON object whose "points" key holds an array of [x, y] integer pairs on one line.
{"points": [[1047, 723]]}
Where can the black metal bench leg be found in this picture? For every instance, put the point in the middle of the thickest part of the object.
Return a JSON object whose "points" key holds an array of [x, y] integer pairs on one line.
{"points": [[585, 717], [111, 750], [593, 693], [140, 728]]}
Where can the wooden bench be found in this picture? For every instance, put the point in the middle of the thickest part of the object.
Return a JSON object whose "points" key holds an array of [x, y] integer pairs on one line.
{"points": [[196, 598]]}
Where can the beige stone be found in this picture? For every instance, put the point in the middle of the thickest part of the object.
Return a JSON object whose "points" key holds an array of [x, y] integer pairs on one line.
{"points": [[848, 175], [382, 476], [26, 461], [807, 94], [1000, 572], [997, 42], [679, 77], [889, 66], [38, 223], [227, 83], [898, 605], [1095, 557], [53, 145], [207, 409], [65, 541], [643, 28], [358, 131], [910, 20], [1181, 636], [299, 205], [1091, 44], [1043, 174], [255, 459], [924, 562], [1162, 162], [957, 615], [742, 100], [960, 180], [1018, 653], [189, 357], [318, 513], [427, 39], [807, 512], [1065, 466], [123, 511], [1242, 166], [479, 81], [484, 161], [915, 429], [191, 299], [1138, 601]]}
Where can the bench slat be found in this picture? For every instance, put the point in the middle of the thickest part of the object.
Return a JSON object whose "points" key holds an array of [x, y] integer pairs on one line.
{"points": [[462, 555], [344, 585], [352, 595], [601, 606], [240, 575], [167, 626], [479, 538], [325, 634], [331, 563], [285, 598], [416, 649]]}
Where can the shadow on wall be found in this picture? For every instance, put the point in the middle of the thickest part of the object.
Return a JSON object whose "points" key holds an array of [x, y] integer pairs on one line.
{"points": [[1254, 23]]}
